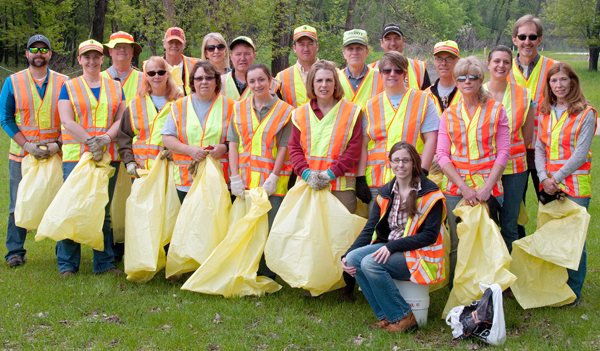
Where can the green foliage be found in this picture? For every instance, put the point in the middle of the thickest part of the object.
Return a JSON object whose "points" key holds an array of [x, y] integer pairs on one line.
{"points": [[577, 20]]}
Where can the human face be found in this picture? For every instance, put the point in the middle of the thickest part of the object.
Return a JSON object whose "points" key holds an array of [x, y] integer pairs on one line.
{"points": [[561, 85], [242, 57], [527, 47], [216, 56], [173, 47], [444, 64], [38, 59], [324, 84], [355, 54], [91, 62], [206, 88], [306, 49], [158, 82], [469, 87], [392, 42], [402, 170], [259, 83], [121, 53], [392, 80], [499, 65]]}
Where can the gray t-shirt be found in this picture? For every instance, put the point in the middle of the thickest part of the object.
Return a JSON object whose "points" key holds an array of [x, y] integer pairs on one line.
{"points": [[201, 109], [158, 101], [445, 91]]}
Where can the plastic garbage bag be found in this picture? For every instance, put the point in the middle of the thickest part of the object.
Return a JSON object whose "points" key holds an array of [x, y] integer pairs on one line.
{"points": [[152, 210], [202, 221], [540, 260], [311, 232], [77, 211], [482, 256], [483, 319], [118, 204], [523, 217], [362, 209], [41, 181], [231, 268]]}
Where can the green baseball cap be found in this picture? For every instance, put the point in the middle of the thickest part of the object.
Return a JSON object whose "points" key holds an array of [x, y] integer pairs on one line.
{"points": [[355, 36]]}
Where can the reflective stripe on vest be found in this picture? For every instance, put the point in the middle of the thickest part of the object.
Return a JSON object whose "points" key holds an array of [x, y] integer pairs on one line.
{"points": [[132, 85], [473, 145], [257, 143], [560, 137], [438, 104], [371, 85], [387, 126], [229, 89], [36, 117], [190, 132], [324, 141], [95, 116], [293, 90]]}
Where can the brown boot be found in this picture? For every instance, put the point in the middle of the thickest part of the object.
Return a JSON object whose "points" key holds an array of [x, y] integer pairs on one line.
{"points": [[381, 324], [406, 323]]}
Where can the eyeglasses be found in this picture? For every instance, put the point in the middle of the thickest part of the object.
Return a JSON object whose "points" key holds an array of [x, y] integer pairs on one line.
{"points": [[388, 70], [41, 50], [203, 78], [211, 48], [463, 79], [153, 73], [405, 160], [449, 59], [531, 37]]}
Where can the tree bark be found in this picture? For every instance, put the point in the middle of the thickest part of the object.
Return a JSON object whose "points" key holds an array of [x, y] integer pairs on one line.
{"points": [[281, 37], [169, 6], [98, 20], [593, 63], [350, 14]]}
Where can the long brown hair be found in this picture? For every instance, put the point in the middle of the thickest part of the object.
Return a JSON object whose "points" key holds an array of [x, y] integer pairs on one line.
{"points": [[172, 92], [338, 91], [575, 98], [411, 202]]}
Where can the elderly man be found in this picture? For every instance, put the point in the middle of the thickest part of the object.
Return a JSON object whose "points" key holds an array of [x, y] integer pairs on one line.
{"points": [[444, 91], [121, 48], [242, 54], [181, 65]]}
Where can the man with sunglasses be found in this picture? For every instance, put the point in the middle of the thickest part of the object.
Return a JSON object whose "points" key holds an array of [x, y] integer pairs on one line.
{"points": [[33, 89], [444, 91], [121, 48]]}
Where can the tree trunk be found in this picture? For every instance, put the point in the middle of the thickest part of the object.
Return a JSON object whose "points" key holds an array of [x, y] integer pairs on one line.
{"points": [[12, 10], [281, 37], [98, 20], [30, 16], [169, 6], [350, 14], [593, 63], [150, 44]]}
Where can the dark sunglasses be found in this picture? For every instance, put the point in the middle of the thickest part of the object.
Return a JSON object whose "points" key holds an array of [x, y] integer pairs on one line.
{"points": [[41, 50], [531, 37], [202, 78], [211, 48], [464, 78], [161, 73], [388, 70]]}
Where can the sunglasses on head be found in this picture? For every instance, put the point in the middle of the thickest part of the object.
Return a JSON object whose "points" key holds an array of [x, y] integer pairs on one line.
{"points": [[388, 70], [211, 48], [464, 78], [531, 37], [153, 73], [41, 50], [202, 78]]}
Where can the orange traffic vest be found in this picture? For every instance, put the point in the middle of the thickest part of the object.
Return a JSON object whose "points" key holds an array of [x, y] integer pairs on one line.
{"points": [[132, 85], [473, 145], [257, 145], [324, 141], [455, 99], [560, 137], [190, 132], [415, 75], [371, 85], [426, 265], [386, 126], [95, 116], [293, 90], [36, 117]]}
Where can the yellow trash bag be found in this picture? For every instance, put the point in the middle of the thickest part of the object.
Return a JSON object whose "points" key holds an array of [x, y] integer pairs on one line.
{"points": [[77, 211], [435, 173], [523, 217], [202, 221], [152, 210], [482, 256], [41, 181], [311, 232], [231, 268], [118, 204], [362, 209], [540, 260]]}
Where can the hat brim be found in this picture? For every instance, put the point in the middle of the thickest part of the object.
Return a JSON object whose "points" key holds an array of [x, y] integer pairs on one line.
{"points": [[137, 49], [446, 50], [305, 36], [392, 31], [168, 39], [240, 41], [355, 41]]}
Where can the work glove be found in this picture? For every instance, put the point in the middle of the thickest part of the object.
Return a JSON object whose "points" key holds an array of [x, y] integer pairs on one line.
{"points": [[53, 148], [326, 177], [237, 186], [192, 168], [36, 150], [167, 154], [270, 185], [131, 169], [315, 182], [97, 155], [362, 190], [98, 142]]}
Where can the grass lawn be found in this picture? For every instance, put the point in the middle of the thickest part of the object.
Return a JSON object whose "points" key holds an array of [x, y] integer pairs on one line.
{"points": [[42, 311]]}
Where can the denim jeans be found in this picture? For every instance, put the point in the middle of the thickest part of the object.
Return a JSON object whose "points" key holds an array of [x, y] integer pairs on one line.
{"points": [[15, 236], [377, 284], [577, 277], [514, 185], [68, 252]]}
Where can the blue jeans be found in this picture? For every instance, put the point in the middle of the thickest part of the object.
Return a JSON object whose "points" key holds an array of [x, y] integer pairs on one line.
{"points": [[377, 284], [15, 236], [514, 185], [68, 252], [577, 277]]}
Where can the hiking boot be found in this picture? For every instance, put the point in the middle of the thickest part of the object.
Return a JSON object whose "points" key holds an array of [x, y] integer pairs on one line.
{"points": [[66, 274], [380, 324], [406, 323], [16, 261]]}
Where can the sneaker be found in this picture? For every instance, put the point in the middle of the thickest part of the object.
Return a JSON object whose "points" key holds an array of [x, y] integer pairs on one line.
{"points": [[16, 261], [407, 323], [66, 274]]}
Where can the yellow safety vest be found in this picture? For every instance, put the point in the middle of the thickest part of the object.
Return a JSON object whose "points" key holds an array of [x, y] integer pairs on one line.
{"points": [[371, 85], [132, 85], [293, 90]]}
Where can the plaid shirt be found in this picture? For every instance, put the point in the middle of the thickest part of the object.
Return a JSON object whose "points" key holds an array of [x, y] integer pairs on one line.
{"points": [[398, 216]]}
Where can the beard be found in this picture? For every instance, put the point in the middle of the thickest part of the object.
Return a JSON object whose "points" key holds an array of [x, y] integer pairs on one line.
{"points": [[38, 62]]}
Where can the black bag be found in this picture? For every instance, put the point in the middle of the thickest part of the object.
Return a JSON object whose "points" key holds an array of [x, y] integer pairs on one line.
{"points": [[477, 318]]}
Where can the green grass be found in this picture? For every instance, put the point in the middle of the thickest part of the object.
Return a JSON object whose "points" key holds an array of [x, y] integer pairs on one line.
{"points": [[39, 310]]}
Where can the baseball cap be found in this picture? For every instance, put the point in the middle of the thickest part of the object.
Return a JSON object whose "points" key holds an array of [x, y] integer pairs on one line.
{"points": [[355, 36], [38, 38], [305, 31], [241, 39], [447, 46], [90, 45], [391, 28], [175, 33], [122, 38]]}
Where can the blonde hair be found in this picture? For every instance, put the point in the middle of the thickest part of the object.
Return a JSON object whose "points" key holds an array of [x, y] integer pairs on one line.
{"points": [[172, 92], [338, 91], [218, 37], [471, 66], [575, 98]]}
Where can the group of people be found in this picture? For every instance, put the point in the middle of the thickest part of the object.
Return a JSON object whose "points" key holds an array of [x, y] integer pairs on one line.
{"points": [[366, 132]]}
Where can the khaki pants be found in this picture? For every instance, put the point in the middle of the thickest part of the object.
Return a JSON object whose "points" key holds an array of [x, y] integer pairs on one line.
{"points": [[347, 198]]}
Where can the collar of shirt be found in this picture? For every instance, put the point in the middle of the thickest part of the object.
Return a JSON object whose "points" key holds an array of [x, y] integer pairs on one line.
{"points": [[265, 109], [362, 75], [241, 86], [531, 65], [303, 73], [315, 107], [396, 188], [45, 82], [113, 73]]}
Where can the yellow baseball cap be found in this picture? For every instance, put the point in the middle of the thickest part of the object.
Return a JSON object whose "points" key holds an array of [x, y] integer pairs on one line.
{"points": [[90, 45], [355, 36], [305, 31], [447, 46]]}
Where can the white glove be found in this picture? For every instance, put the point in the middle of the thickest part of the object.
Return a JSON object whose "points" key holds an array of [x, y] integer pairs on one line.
{"points": [[36, 151], [270, 185], [98, 142], [131, 167], [53, 148], [324, 179], [237, 186], [315, 182]]}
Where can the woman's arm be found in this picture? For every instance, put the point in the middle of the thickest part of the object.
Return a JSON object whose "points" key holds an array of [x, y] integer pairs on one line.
{"points": [[233, 158], [549, 184], [580, 154], [125, 137], [365, 236], [67, 118], [297, 157]]}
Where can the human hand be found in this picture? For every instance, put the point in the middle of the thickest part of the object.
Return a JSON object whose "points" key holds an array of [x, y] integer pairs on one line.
{"points": [[315, 182], [217, 151], [98, 142], [131, 169], [470, 195], [483, 194], [550, 186], [237, 186], [36, 151], [168, 154], [349, 270], [197, 153], [97, 155], [53, 148], [270, 185], [381, 255]]}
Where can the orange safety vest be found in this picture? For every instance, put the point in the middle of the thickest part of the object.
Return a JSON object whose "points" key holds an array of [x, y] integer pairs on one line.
{"points": [[560, 137], [455, 99], [426, 265], [190, 132], [324, 141], [371, 85], [473, 145], [95, 116], [132, 85], [386, 126], [293, 90], [36, 117], [257, 145], [415, 75]]}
